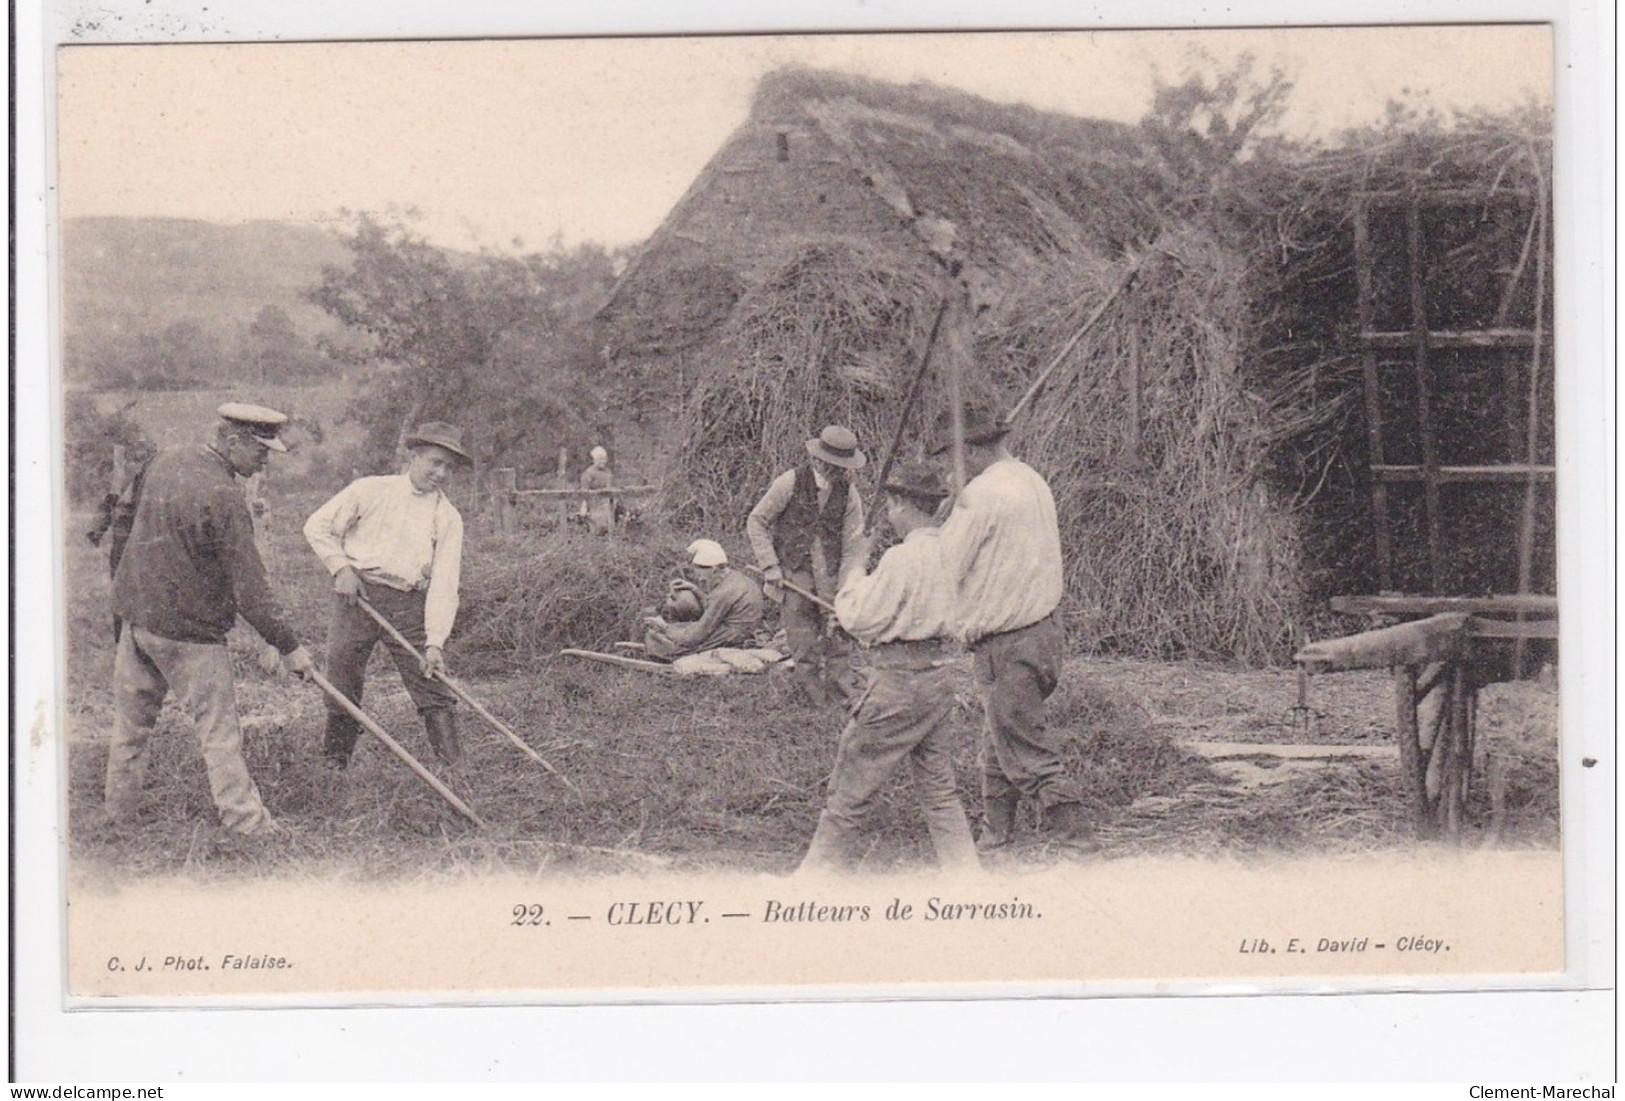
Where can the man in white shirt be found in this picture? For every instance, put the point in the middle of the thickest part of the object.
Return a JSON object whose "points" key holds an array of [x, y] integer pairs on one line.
{"points": [[396, 542], [903, 613], [1001, 546]]}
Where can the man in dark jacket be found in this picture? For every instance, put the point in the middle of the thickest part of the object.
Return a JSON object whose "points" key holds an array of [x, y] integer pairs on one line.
{"points": [[805, 529], [189, 569]]}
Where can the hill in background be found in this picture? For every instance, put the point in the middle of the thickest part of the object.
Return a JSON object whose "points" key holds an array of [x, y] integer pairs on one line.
{"points": [[171, 303]]}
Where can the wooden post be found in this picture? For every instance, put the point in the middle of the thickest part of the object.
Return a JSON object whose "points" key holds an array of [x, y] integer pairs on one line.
{"points": [[505, 481], [1373, 393], [564, 468], [120, 469], [1424, 393], [1131, 391], [1412, 762]]}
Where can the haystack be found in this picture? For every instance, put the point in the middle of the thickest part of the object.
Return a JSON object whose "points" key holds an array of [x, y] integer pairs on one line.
{"points": [[1205, 438]]}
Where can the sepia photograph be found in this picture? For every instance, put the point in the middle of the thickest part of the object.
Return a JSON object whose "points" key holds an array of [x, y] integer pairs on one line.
{"points": [[893, 515]]}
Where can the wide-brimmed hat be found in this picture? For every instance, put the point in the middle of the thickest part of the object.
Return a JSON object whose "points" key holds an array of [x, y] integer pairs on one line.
{"points": [[982, 425], [837, 446], [919, 482], [260, 422], [439, 434]]}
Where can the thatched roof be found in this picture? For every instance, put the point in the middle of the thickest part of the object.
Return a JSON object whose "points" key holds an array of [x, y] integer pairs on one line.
{"points": [[824, 156]]}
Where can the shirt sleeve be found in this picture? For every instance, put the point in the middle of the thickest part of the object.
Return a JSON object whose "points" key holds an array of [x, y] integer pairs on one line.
{"points": [[327, 526], [867, 603], [852, 525], [759, 524], [440, 604], [234, 533]]}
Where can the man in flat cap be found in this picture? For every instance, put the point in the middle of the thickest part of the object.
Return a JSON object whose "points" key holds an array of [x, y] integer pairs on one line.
{"points": [[903, 614], [804, 530], [730, 608], [189, 568], [1001, 545], [396, 542]]}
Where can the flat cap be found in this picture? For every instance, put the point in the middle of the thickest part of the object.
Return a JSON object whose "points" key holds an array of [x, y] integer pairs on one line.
{"points": [[262, 423]]}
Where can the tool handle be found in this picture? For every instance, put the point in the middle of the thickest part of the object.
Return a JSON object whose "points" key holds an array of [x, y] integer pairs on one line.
{"points": [[396, 748], [461, 693]]}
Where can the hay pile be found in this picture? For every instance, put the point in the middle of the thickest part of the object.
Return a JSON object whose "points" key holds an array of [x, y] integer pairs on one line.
{"points": [[1176, 545]]}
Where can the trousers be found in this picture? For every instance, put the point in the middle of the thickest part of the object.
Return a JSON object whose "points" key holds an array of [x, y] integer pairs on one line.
{"points": [[351, 636], [901, 716], [1015, 674], [823, 661], [145, 669]]}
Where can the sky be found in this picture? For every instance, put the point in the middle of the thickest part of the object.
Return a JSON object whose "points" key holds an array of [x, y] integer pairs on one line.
{"points": [[509, 144]]}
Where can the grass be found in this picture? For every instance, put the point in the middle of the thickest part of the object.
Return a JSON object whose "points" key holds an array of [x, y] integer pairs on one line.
{"points": [[715, 773]]}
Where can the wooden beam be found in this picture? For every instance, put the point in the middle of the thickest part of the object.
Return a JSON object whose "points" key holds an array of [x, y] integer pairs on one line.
{"points": [[1501, 472], [584, 494], [1438, 638], [1535, 603], [1454, 338], [1521, 629], [1446, 196]]}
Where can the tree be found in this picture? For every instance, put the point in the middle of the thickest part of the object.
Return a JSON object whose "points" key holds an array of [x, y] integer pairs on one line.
{"points": [[467, 338]]}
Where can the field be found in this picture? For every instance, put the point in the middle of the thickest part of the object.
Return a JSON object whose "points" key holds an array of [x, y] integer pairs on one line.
{"points": [[714, 774]]}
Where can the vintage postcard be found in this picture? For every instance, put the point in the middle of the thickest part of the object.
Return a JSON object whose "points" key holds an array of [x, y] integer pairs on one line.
{"points": [[560, 520]]}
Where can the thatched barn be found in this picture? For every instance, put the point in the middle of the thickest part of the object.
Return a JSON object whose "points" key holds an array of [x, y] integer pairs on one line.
{"points": [[1208, 436]]}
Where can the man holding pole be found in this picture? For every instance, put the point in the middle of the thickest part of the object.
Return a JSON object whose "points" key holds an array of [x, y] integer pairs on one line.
{"points": [[394, 543], [189, 568], [805, 530], [1001, 547], [903, 613]]}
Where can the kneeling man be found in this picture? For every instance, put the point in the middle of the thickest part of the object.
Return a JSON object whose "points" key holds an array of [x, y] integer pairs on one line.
{"points": [[396, 542], [730, 608]]}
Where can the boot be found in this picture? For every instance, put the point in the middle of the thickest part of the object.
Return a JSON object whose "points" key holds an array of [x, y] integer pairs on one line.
{"points": [[998, 820], [441, 724], [827, 851], [1068, 824], [339, 741]]}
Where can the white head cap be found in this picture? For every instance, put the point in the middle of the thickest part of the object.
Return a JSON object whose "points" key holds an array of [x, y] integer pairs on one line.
{"points": [[706, 552], [598, 454]]}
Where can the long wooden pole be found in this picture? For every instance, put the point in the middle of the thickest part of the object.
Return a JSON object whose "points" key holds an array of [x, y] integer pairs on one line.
{"points": [[1066, 349], [396, 748], [913, 395], [461, 693]]}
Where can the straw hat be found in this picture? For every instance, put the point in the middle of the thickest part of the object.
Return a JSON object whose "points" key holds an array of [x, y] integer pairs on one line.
{"points": [[837, 446]]}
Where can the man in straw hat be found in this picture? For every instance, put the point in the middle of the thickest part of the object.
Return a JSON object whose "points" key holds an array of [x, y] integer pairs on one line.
{"points": [[903, 613], [189, 569], [730, 607], [804, 530], [1001, 546], [396, 542]]}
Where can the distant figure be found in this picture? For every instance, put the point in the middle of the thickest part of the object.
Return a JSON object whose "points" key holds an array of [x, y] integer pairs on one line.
{"points": [[599, 511], [115, 516], [396, 542], [804, 530], [189, 568], [730, 607]]}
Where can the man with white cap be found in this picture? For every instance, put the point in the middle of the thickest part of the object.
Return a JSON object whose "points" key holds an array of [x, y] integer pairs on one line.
{"points": [[805, 530], [396, 542], [730, 612], [599, 511], [189, 569]]}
